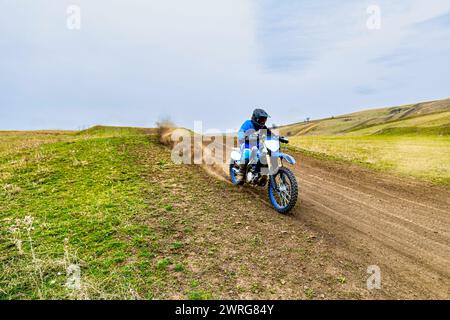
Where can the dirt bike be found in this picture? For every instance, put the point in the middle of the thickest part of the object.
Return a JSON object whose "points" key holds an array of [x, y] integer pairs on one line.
{"points": [[266, 165]]}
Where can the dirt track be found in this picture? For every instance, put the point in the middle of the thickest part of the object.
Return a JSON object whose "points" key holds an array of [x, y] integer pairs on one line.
{"points": [[400, 225]]}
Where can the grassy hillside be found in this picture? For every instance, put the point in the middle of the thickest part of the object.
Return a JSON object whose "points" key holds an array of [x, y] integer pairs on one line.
{"points": [[81, 201], [412, 140], [427, 114], [432, 124], [69, 199]]}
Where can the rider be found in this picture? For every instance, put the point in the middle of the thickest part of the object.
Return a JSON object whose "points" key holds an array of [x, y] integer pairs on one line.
{"points": [[248, 128]]}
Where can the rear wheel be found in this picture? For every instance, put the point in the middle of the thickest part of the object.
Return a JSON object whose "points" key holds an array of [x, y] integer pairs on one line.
{"points": [[283, 190]]}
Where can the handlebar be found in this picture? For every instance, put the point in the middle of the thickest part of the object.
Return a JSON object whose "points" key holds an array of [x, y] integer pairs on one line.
{"points": [[282, 139]]}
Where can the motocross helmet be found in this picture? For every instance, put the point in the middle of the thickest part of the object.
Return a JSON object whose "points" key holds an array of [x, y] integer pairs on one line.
{"points": [[259, 118]]}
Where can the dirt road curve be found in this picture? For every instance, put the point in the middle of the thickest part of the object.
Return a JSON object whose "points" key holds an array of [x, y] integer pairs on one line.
{"points": [[398, 224], [402, 226]]}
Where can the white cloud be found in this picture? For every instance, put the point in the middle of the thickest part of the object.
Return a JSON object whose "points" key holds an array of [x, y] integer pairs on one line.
{"points": [[134, 61]]}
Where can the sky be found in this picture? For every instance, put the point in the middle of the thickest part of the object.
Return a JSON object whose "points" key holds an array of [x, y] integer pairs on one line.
{"points": [[134, 62]]}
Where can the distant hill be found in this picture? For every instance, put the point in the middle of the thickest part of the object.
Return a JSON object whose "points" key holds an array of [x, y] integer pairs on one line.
{"points": [[422, 118], [113, 131]]}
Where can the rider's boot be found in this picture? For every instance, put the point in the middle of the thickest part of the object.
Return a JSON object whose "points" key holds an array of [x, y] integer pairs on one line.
{"points": [[240, 176]]}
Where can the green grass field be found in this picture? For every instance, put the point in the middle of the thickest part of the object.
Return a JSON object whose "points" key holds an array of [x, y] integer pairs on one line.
{"points": [[424, 157], [76, 202], [69, 199], [412, 140]]}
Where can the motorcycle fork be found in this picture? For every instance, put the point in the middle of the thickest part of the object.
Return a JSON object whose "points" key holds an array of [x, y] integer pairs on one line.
{"points": [[272, 163]]}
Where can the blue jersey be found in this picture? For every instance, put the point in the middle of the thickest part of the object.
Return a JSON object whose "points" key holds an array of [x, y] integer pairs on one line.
{"points": [[246, 130]]}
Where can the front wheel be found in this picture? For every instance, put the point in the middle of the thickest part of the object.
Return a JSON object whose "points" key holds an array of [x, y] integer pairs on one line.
{"points": [[283, 190]]}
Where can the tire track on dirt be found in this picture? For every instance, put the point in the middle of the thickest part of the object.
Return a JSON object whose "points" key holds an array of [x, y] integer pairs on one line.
{"points": [[392, 234], [401, 235], [441, 237], [373, 191], [411, 210], [402, 275]]}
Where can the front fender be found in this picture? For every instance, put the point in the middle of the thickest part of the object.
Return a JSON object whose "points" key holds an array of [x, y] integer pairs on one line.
{"points": [[284, 156]]}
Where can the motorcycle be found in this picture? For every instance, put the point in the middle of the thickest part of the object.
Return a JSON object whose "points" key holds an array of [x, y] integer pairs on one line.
{"points": [[265, 167]]}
